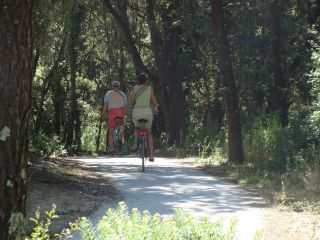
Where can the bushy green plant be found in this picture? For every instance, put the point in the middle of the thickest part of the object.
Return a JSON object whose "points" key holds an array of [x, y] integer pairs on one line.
{"points": [[41, 229], [311, 178], [47, 145], [268, 144], [122, 224]]}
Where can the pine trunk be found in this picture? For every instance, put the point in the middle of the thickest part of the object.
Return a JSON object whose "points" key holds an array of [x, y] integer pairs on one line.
{"points": [[16, 73]]}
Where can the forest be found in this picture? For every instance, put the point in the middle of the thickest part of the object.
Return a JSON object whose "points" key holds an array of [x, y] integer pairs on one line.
{"points": [[235, 80]]}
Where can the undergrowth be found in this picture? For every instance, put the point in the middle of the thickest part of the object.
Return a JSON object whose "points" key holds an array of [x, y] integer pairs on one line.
{"points": [[135, 225]]}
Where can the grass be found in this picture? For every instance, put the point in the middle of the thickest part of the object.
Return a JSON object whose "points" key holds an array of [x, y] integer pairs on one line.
{"points": [[298, 191]]}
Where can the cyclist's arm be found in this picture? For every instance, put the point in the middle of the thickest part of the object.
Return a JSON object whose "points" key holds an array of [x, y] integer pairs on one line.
{"points": [[154, 101], [130, 99]]}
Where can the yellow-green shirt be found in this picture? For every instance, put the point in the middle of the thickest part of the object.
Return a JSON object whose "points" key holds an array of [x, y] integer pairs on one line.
{"points": [[143, 100]]}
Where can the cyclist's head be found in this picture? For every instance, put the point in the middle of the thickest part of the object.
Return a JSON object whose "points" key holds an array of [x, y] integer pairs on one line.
{"points": [[142, 78], [115, 84]]}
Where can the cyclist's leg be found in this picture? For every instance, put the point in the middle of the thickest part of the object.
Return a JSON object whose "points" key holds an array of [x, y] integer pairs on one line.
{"points": [[122, 125], [148, 126], [110, 140], [150, 145], [111, 127], [136, 115]]}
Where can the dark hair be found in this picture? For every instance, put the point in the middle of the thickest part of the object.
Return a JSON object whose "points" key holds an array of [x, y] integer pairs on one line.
{"points": [[142, 78]]}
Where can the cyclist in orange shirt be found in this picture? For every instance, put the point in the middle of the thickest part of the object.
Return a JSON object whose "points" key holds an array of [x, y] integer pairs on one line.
{"points": [[115, 103]]}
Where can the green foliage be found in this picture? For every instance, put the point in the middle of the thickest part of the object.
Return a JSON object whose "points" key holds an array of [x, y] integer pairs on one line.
{"points": [[41, 229], [210, 154], [47, 145], [269, 144], [90, 122], [122, 224], [17, 225]]}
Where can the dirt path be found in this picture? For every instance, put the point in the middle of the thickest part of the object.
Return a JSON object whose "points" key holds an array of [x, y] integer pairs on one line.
{"points": [[63, 182], [168, 184]]}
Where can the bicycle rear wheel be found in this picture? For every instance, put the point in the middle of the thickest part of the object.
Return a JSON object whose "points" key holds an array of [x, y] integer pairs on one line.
{"points": [[117, 141], [118, 146], [142, 152]]}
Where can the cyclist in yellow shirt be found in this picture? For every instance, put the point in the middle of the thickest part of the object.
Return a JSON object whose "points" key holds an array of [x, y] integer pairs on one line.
{"points": [[145, 104]]}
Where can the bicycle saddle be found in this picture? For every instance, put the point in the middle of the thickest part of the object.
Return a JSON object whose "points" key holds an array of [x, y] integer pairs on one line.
{"points": [[118, 118]]}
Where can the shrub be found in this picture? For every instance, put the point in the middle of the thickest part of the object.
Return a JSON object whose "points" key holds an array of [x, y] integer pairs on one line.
{"points": [[47, 145], [122, 224], [269, 145], [41, 229], [312, 178]]}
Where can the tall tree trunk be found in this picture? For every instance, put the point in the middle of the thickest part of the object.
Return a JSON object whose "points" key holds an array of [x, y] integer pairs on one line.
{"points": [[77, 132], [99, 128], [166, 53], [175, 92], [16, 73], [278, 90], [58, 93], [228, 82], [74, 32], [158, 52]]}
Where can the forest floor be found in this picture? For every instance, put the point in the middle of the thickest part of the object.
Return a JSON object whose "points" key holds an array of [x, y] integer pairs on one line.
{"points": [[297, 220], [65, 182]]}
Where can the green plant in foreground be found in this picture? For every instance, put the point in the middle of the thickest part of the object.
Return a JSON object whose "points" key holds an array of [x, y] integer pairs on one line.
{"points": [[41, 230], [119, 223]]}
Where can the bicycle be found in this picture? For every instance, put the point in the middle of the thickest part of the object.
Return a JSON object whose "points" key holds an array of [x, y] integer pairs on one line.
{"points": [[142, 141], [118, 139]]}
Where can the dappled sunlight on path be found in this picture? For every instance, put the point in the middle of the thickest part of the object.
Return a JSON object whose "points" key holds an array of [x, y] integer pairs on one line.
{"points": [[168, 184]]}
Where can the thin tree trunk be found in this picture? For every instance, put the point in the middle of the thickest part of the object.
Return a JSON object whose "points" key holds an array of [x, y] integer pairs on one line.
{"points": [[16, 74], [123, 24], [228, 82], [99, 128], [58, 93], [47, 83]]}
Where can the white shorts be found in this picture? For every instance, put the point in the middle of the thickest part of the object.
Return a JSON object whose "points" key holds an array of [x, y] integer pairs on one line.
{"points": [[142, 113]]}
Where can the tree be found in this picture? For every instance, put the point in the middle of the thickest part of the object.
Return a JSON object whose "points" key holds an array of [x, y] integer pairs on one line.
{"points": [[227, 79], [278, 89], [16, 73], [165, 49], [165, 42], [73, 135]]}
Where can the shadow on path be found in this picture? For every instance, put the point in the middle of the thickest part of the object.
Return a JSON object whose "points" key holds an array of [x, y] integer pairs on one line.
{"points": [[166, 185]]}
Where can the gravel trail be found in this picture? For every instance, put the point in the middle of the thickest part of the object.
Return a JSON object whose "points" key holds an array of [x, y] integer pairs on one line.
{"points": [[168, 184]]}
